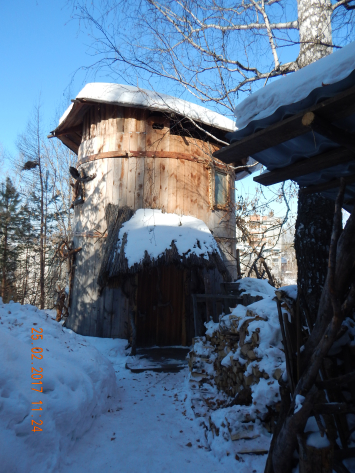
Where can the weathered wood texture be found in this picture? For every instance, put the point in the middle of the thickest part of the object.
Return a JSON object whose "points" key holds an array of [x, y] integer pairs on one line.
{"points": [[160, 306], [173, 185]]}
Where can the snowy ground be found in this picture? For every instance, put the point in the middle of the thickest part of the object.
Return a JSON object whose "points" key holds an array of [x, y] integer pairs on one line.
{"points": [[97, 416], [150, 427]]}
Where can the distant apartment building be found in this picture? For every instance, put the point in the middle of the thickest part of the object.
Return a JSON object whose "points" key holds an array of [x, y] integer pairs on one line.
{"points": [[265, 235]]}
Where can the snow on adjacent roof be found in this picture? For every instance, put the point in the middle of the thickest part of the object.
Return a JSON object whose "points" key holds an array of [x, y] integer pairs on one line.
{"points": [[152, 231], [296, 87], [297, 93], [127, 95]]}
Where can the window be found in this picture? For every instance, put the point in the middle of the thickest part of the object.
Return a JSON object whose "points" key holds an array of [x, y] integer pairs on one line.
{"points": [[219, 189]]}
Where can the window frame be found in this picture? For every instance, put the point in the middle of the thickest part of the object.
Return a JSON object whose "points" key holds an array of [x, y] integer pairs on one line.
{"points": [[212, 191]]}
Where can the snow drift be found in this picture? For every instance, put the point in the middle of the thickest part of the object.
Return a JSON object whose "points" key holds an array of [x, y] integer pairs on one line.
{"points": [[77, 382]]}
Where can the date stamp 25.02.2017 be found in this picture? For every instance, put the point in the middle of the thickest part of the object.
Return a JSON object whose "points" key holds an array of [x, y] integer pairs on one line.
{"points": [[37, 376]]}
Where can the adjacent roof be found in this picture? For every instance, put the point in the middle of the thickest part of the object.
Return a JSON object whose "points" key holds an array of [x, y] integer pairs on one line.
{"points": [[315, 153], [296, 92]]}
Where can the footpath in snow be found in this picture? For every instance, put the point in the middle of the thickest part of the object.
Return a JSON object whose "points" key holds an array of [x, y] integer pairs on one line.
{"points": [[148, 428]]}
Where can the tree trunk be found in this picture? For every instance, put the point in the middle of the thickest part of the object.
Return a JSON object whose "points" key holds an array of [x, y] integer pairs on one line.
{"points": [[313, 228], [4, 269], [4, 261], [312, 239], [41, 249], [314, 22], [315, 213]]}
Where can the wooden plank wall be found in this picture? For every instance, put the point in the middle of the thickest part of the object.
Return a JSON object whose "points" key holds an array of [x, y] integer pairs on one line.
{"points": [[173, 185]]}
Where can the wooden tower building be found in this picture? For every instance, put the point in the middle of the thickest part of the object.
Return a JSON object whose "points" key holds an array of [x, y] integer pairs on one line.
{"points": [[142, 150]]}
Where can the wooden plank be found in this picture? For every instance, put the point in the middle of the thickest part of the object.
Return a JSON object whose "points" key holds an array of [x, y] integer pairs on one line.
{"points": [[101, 111], [164, 183], [148, 185], [139, 175], [70, 144], [131, 127], [306, 166], [97, 115], [116, 174], [97, 221], [124, 306], [85, 127], [327, 185], [333, 133], [141, 129], [180, 187], [118, 120], [108, 119], [119, 177], [92, 122], [108, 312], [195, 310], [157, 184], [123, 182], [78, 129], [158, 140], [331, 109], [203, 184], [171, 208], [196, 172], [123, 140], [109, 180], [131, 181], [189, 192], [116, 303], [74, 118], [184, 309]]}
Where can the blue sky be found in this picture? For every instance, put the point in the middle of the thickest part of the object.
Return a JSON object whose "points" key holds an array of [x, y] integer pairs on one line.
{"points": [[41, 48]]}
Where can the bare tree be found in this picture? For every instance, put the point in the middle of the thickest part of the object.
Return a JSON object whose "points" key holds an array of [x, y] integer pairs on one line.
{"points": [[45, 183], [217, 52], [30, 148], [214, 50]]}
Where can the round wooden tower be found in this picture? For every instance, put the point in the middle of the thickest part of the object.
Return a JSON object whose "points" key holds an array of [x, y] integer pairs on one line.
{"points": [[145, 151]]}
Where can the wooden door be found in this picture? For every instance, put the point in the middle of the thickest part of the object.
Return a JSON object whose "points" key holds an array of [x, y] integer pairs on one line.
{"points": [[160, 302]]}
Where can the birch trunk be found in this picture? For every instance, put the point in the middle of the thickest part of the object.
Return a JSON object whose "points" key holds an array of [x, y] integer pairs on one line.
{"points": [[315, 213], [315, 30], [313, 228]]}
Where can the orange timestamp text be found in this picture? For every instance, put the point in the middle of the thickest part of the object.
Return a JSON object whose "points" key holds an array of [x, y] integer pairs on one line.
{"points": [[37, 376]]}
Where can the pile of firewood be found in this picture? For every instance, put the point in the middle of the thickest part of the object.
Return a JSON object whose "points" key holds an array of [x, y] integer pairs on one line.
{"points": [[225, 353]]}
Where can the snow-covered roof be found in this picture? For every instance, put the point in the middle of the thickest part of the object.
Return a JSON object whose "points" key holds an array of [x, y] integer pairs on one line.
{"points": [[127, 95], [323, 82], [150, 233], [298, 90]]}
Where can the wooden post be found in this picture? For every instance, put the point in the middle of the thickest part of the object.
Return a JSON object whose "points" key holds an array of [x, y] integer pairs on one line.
{"points": [[288, 361], [238, 264], [134, 333], [194, 304], [314, 460], [299, 337], [183, 328]]}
